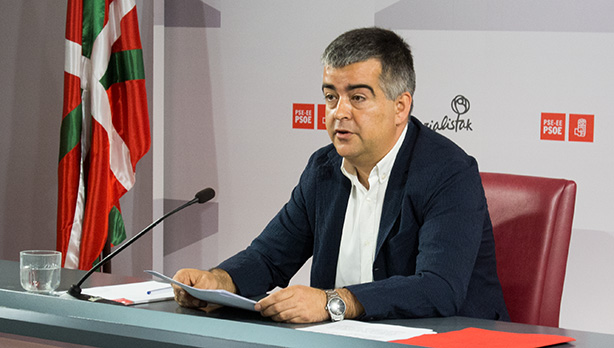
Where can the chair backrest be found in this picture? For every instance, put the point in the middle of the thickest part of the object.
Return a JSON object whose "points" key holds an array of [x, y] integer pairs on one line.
{"points": [[532, 219]]}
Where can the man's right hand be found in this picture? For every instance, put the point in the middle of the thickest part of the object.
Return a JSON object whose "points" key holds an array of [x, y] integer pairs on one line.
{"points": [[214, 279]]}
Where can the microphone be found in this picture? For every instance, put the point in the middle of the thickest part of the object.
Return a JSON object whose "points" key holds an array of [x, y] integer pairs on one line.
{"points": [[75, 290]]}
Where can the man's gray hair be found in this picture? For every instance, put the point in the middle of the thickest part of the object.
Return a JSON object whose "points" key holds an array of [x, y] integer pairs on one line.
{"points": [[391, 50]]}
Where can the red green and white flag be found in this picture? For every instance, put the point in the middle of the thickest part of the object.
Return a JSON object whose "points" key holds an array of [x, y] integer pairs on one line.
{"points": [[105, 126]]}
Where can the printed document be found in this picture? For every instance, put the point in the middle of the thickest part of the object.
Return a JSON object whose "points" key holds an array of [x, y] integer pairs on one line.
{"points": [[221, 297]]}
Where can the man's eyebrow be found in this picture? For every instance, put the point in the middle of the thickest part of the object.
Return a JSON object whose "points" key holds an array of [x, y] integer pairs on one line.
{"points": [[349, 87], [328, 86], [362, 85]]}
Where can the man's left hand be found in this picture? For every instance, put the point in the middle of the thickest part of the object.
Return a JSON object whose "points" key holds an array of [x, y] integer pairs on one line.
{"points": [[295, 304]]}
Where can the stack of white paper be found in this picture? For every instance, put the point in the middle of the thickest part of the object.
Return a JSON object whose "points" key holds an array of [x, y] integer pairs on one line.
{"points": [[133, 293], [369, 331]]}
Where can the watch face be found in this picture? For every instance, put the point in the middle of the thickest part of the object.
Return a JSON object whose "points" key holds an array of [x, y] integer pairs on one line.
{"points": [[337, 306]]}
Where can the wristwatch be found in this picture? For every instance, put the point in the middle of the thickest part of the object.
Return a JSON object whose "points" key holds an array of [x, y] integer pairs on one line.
{"points": [[334, 305]]}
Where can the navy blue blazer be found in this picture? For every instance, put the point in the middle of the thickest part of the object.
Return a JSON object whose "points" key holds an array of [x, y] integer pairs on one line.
{"points": [[435, 253]]}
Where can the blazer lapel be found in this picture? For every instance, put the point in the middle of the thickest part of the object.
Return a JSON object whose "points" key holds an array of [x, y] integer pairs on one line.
{"points": [[396, 186]]}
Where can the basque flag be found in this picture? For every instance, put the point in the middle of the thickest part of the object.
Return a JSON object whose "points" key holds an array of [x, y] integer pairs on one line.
{"points": [[105, 126]]}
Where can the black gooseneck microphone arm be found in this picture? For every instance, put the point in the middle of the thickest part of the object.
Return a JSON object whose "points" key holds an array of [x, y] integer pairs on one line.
{"points": [[201, 197]]}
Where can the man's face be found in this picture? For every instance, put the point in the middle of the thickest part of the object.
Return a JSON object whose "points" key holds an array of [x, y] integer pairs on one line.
{"points": [[361, 122]]}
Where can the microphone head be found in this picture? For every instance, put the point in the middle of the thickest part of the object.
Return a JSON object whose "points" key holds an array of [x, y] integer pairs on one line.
{"points": [[205, 195]]}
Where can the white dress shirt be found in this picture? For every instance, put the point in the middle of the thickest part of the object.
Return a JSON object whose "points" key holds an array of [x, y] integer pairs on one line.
{"points": [[362, 219]]}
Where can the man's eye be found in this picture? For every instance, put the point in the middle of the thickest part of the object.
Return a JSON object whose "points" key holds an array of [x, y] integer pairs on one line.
{"points": [[329, 97], [358, 98]]}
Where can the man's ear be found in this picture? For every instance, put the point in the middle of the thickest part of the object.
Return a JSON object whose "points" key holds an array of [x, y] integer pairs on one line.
{"points": [[403, 107]]}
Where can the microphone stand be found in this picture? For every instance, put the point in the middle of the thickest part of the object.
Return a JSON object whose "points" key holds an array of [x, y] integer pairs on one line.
{"points": [[75, 290]]}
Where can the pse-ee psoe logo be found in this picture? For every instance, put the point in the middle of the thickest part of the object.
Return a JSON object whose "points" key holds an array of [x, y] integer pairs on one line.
{"points": [[304, 116], [554, 127]]}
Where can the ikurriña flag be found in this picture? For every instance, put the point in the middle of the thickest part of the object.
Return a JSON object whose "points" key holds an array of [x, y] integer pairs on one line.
{"points": [[105, 126]]}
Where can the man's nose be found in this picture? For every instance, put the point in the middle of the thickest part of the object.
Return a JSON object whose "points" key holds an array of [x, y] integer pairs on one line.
{"points": [[344, 109]]}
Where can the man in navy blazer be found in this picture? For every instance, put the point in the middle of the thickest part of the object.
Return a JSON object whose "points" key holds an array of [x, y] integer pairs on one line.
{"points": [[393, 213]]}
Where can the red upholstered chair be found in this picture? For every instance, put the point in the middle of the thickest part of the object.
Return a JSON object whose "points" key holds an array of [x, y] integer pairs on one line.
{"points": [[532, 219]]}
